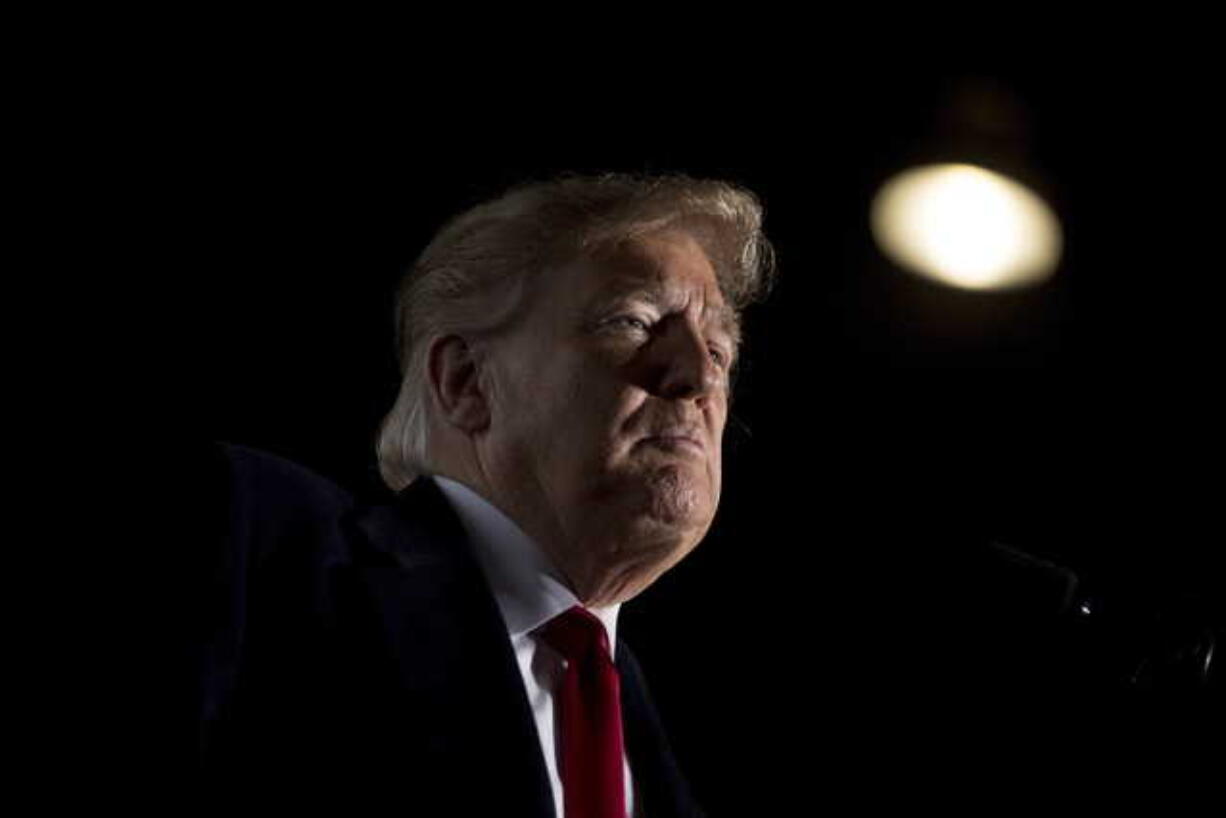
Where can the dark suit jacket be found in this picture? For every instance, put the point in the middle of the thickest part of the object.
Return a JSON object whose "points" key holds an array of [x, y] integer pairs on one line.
{"points": [[353, 649]]}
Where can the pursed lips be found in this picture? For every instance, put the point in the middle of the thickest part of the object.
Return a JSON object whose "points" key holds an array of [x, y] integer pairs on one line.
{"points": [[676, 441]]}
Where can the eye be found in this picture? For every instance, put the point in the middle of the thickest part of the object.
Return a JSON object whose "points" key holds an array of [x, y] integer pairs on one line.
{"points": [[631, 322], [719, 357]]}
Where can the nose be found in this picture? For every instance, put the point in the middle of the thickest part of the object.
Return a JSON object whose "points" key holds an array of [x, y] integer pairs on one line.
{"points": [[684, 368]]}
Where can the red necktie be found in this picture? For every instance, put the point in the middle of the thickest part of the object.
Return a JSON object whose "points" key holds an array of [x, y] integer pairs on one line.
{"points": [[589, 711]]}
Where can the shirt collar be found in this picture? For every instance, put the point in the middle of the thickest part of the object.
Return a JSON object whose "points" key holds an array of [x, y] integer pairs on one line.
{"points": [[528, 588]]}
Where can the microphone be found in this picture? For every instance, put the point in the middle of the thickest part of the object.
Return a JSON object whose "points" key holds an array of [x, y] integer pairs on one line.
{"points": [[1119, 639]]}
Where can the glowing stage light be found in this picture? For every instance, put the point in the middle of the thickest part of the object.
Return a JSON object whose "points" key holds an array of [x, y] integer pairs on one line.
{"points": [[966, 226]]}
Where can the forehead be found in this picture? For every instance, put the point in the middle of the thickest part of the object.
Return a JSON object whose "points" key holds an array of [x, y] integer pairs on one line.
{"points": [[669, 268], [666, 259]]}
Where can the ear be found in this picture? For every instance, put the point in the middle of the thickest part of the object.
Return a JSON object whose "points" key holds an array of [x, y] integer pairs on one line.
{"points": [[454, 372]]}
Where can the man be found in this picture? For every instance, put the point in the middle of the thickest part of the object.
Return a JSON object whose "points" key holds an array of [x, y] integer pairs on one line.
{"points": [[555, 447]]}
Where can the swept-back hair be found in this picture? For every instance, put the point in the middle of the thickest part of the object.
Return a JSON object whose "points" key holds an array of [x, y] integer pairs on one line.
{"points": [[473, 277]]}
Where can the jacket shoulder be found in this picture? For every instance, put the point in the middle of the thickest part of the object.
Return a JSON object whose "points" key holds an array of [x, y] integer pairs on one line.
{"points": [[272, 503], [260, 584]]}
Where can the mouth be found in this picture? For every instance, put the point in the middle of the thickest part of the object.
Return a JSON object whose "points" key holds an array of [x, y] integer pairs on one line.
{"points": [[675, 444]]}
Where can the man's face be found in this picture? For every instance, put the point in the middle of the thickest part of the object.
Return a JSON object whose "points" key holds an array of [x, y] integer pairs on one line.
{"points": [[608, 413]]}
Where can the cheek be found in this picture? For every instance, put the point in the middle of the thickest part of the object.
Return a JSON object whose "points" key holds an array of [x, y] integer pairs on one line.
{"points": [[584, 417]]}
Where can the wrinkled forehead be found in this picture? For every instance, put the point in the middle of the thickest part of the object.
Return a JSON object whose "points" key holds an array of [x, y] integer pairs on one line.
{"points": [[665, 266]]}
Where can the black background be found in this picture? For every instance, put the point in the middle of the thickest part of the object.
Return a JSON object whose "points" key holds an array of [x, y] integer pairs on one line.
{"points": [[882, 423]]}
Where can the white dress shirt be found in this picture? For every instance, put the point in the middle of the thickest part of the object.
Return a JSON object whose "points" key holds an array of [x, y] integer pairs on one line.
{"points": [[529, 592]]}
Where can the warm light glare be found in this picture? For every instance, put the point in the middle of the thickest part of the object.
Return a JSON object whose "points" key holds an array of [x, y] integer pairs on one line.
{"points": [[967, 227]]}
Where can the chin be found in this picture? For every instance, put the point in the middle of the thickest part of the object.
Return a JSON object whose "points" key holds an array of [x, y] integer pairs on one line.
{"points": [[659, 506], [659, 516], [674, 499]]}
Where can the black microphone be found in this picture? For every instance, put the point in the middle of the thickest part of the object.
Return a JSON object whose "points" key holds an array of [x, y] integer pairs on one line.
{"points": [[1117, 638]]}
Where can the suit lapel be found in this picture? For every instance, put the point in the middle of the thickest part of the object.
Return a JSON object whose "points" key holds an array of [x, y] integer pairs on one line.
{"points": [[451, 671], [661, 789]]}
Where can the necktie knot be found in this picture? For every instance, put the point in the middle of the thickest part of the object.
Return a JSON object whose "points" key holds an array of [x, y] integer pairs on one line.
{"points": [[576, 634]]}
